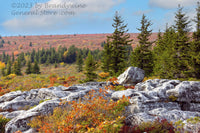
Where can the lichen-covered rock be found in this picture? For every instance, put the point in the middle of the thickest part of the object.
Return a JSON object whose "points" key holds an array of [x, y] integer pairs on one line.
{"points": [[159, 98], [20, 122], [162, 98], [119, 94], [132, 75]]}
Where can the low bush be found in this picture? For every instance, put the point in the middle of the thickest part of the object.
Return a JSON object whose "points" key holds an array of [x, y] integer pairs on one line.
{"points": [[94, 114], [3, 122], [157, 126]]}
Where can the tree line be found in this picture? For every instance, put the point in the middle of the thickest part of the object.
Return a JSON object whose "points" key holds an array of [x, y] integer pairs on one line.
{"points": [[46, 57], [175, 55]]}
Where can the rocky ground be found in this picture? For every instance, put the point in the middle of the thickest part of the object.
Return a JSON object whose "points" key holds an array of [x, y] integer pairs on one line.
{"points": [[169, 99]]}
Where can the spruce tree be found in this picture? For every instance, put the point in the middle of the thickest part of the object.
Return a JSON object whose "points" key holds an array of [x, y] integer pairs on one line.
{"points": [[29, 68], [115, 53], [79, 62], [3, 71], [142, 56], [90, 67], [9, 68], [106, 57], [55, 65], [17, 67], [163, 54], [13, 58], [36, 68], [195, 46], [181, 46]]}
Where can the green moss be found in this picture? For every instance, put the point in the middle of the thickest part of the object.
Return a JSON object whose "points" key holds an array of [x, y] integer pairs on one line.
{"points": [[3, 122], [173, 98]]}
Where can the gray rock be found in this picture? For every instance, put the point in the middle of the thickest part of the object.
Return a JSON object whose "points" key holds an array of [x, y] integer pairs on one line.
{"points": [[14, 114], [15, 105], [20, 122], [151, 100], [10, 96], [119, 94], [50, 93], [45, 107], [132, 75]]}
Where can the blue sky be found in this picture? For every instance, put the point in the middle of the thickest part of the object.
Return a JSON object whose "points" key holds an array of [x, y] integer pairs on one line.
{"points": [[85, 16]]}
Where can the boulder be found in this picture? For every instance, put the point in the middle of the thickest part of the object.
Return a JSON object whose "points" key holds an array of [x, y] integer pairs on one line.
{"points": [[165, 99], [20, 122], [132, 75], [119, 94]]}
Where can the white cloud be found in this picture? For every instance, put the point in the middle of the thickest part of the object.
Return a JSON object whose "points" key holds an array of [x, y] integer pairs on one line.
{"points": [[171, 3], [29, 23], [140, 12]]}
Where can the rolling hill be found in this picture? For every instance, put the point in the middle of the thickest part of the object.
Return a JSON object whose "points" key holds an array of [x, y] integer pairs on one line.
{"points": [[18, 44]]}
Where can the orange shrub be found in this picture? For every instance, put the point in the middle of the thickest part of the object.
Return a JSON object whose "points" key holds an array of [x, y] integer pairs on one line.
{"points": [[94, 114], [103, 75], [69, 81]]}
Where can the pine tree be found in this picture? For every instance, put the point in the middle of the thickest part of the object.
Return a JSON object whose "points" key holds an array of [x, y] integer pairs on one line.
{"points": [[47, 61], [181, 57], [90, 67], [3, 71], [55, 65], [115, 49], [79, 62], [17, 67], [195, 46], [13, 58], [163, 54], [106, 57], [36, 68], [142, 56], [9, 69], [29, 68]]}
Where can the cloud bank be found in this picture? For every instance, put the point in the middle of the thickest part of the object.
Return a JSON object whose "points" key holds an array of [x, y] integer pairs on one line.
{"points": [[56, 14], [167, 4]]}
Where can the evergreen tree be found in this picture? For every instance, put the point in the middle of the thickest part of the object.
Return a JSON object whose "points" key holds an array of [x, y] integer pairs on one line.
{"points": [[29, 68], [36, 68], [3, 71], [17, 67], [142, 56], [163, 54], [181, 56], [13, 58], [90, 67], [106, 57], [195, 47], [9, 68], [115, 49], [30, 44], [79, 62], [55, 65], [48, 60]]}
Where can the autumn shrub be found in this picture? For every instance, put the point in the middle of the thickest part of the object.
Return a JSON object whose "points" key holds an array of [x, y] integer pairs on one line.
{"points": [[70, 81], [94, 113], [157, 126], [103, 75], [152, 77], [11, 76], [194, 123], [3, 122]]}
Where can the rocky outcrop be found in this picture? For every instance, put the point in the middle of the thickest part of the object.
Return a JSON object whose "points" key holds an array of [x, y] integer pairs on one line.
{"points": [[21, 107], [167, 99], [159, 98], [132, 75]]}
